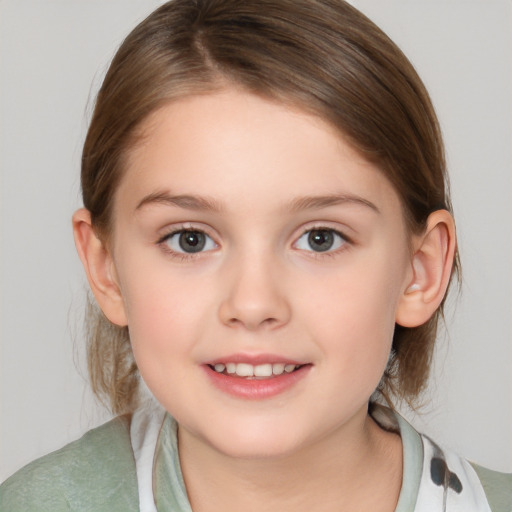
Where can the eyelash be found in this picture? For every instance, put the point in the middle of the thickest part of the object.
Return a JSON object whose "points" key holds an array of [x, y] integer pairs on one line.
{"points": [[344, 244]]}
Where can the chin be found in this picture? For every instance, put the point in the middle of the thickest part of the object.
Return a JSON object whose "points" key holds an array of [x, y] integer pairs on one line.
{"points": [[260, 449], [235, 433], [255, 441]]}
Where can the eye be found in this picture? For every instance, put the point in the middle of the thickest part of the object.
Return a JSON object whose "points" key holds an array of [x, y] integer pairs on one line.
{"points": [[321, 240], [189, 241]]}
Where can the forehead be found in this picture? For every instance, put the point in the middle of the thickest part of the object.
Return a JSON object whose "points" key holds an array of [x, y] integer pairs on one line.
{"points": [[243, 150]]}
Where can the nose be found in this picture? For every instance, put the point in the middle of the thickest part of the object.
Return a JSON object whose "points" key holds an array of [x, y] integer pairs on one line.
{"points": [[254, 295]]}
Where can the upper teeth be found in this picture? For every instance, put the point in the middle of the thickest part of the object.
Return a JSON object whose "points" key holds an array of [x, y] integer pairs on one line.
{"points": [[260, 370]]}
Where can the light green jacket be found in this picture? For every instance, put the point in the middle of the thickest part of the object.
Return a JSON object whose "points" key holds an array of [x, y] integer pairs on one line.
{"points": [[97, 473]]}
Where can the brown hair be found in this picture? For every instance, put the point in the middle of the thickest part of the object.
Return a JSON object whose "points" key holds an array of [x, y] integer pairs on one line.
{"points": [[323, 56]]}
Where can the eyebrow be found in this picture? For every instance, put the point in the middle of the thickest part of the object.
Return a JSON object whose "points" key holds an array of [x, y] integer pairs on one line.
{"points": [[317, 202], [189, 202], [201, 203]]}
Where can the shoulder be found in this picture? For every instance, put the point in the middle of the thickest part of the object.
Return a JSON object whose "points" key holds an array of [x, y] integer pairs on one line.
{"points": [[497, 486], [96, 472], [433, 474]]}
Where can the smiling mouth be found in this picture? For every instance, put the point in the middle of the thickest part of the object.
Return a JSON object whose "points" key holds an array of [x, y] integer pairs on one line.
{"points": [[249, 371]]}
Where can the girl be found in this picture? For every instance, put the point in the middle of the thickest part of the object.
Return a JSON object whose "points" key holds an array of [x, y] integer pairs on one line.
{"points": [[267, 232]]}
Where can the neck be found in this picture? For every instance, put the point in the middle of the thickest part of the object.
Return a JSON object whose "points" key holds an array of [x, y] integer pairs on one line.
{"points": [[358, 467]]}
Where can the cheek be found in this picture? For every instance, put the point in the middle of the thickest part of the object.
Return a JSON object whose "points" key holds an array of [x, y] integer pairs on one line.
{"points": [[164, 313], [353, 315], [164, 323], [362, 298]]}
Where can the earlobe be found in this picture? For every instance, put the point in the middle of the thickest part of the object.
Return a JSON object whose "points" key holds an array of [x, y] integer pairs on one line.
{"points": [[431, 264], [99, 268]]}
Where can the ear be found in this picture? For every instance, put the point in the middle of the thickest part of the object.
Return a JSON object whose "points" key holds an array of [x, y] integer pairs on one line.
{"points": [[99, 267], [432, 261]]}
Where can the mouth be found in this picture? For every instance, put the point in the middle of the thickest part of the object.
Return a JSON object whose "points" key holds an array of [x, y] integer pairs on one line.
{"points": [[256, 377], [250, 371]]}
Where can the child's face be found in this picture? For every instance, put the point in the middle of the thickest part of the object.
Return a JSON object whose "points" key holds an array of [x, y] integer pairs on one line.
{"points": [[247, 233]]}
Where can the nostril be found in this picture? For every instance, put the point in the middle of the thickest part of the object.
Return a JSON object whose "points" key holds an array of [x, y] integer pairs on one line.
{"points": [[252, 323], [254, 307]]}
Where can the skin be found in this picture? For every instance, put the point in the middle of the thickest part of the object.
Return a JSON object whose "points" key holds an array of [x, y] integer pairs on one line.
{"points": [[259, 287]]}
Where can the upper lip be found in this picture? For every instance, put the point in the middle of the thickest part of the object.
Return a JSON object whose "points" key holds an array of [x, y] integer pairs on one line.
{"points": [[254, 359]]}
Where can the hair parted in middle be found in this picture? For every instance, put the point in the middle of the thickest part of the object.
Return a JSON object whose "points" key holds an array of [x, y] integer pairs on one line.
{"points": [[321, 56]]}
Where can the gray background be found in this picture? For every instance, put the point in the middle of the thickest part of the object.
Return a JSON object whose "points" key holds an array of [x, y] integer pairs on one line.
{"points": [[52, 56]]}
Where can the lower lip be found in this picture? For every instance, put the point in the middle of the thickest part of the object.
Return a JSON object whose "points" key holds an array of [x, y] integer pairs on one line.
{"points": [[256, 389]]}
